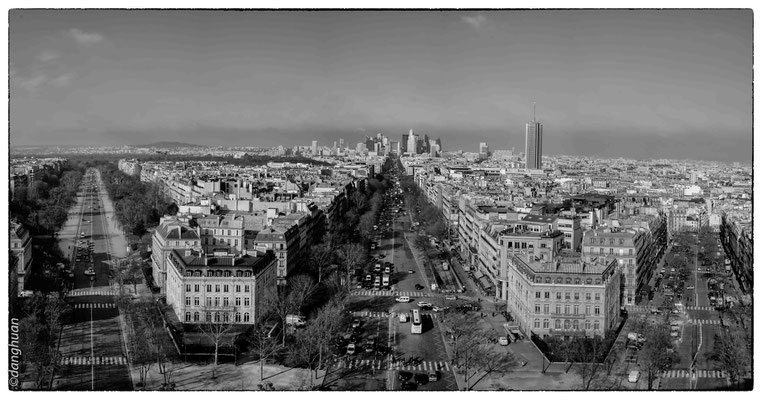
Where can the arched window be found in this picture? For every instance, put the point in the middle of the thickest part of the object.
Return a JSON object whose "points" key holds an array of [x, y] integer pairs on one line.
{"points": [[237, 317], [597, 325], [187, 316], [587, 324], [196, 316], [217, 317], [228, 273], [589, 281], [559, 280], [239, 273], [567, 324], [576, 324], [598, 281], [568, 281], [548, 280], [577, 281], [537, 323], [558, 324], [545, 323]]}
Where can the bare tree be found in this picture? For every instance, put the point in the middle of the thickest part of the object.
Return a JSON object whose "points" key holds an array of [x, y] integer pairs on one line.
{"points": [[141, 355], [655, 356], [219, 332], [320, 258], [263, 346], [352, 256], [301, 288], [281, 304], [732, 354], [313, 342]]}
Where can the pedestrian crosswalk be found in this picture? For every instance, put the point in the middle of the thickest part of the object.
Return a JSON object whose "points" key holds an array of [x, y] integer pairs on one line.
{"points": [[389, 293], [370, 314], [704, 321], [699, 308], [94, 305], [90, 292], [397, 365], [684, 373], [99, 360]]}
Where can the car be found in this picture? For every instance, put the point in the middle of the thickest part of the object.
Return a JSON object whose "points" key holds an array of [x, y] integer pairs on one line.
{"points": [[634, 376], [418, 286], [402, 299], [89, 271], [423, 304], [351, 349], [405, 376], [433, 376], [503, 340], [691, 287], [355, 323], [451, 297], [410, 271], [403, 317]]}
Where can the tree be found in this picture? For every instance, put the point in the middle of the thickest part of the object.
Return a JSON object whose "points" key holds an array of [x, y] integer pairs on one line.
{"points": [[34, 343], [320, 258], [589, 352], [141, 355], [313, 342], [657, 354], [731, 353], [352, 256], [301, 288], [281, 304], [263, 346], [219, 332]]}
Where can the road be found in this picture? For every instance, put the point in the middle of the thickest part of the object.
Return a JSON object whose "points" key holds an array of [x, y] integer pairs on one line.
{"points": [[91, 346]]}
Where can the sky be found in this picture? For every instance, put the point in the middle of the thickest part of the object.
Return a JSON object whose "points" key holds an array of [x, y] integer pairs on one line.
{"points": [[609, 83]]}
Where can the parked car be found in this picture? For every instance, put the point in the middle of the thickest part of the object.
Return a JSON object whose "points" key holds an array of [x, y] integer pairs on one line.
{"points": [[424, 305], [402, 299], [403, 317], [351, 349], [433, 376], [451, 297], [503, 340], [418, 286], [355, 323], [634, 376]]}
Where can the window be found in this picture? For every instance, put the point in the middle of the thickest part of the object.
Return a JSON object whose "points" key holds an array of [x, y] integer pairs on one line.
{"points": [[245, 317], [217, 317], [600, 251], [587, 310], [558, 295], [187, 301], [537, 308], [537, 295], [246, 288], [226, 317], [208, 317], [208, 302], [208, 288], [545, 324], [187, 316], [576, 309], [196, 301], [216, 288], [568, 281], [629, 252], [578, 281], [589, 281], [196, 316], [537, 323], [188, 287], [546, 308], [597, 310], [567, 324], [597, 297], [611, 250], [587, 296], [195, 288], [216, 301], [558, 324], [576, 324], [246, 301], [547, 295], [558, 309], [597, 325], [238, 287], [226, 288], [611, 241], [576, 295], [566, 309], [237, 317], [225, 301], [237, 301], [621, 241], [587, 324], [567, 295]]}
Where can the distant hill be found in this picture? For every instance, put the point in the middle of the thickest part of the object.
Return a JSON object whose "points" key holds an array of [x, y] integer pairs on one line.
{"points": [[169, 145]]}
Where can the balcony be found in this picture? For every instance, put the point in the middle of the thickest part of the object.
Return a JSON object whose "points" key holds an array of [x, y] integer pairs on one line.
{"points": [[567, 316]]}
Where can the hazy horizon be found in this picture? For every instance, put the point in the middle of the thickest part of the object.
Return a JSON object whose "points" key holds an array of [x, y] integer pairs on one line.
{"points": [[649, 84]]}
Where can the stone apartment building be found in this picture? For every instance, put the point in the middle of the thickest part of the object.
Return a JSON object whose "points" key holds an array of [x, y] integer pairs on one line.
{"points": [[204, 288], [565, 297], [21, 248]]}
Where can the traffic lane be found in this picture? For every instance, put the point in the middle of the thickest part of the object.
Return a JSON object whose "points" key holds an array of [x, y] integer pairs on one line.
{"points": [[426, 346]]}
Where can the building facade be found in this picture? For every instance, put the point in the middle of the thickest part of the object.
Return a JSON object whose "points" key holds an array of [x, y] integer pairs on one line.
{"points": [[533, 145]]}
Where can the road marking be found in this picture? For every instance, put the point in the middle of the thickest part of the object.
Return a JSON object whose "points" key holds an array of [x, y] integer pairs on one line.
{"points": [[93, 305], [704, 321], [702, 373], [100, 360]]}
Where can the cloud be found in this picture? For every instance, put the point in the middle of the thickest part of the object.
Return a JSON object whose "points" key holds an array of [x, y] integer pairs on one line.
{"points": [[477, 22], [85, 38], [47, 56], [33, 84], [62, 80]]}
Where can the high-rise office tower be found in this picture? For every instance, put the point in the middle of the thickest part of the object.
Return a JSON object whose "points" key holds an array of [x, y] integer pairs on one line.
{"points": [[341, 143], [412, 143], [403, 143], [314, 147], [533, 147]]}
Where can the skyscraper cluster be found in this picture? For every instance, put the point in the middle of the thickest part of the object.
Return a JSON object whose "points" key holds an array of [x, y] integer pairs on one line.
{"points": [[413, 144]]}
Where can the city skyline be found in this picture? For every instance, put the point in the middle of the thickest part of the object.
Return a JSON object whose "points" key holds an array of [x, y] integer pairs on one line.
{"points": [[613, 83]]}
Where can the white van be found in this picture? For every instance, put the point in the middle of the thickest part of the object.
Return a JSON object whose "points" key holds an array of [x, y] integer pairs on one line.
{"points": [[403, 299], [634, 376]]}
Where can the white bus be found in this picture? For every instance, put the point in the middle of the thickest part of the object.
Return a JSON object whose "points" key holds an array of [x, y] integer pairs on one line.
{"points": [[415, 327]]}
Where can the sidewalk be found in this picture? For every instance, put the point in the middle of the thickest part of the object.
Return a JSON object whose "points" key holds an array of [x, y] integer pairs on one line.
{"points": [[194, 376]]}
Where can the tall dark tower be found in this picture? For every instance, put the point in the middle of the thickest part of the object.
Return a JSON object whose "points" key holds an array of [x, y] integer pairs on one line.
{"points": [[533, 147]]}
